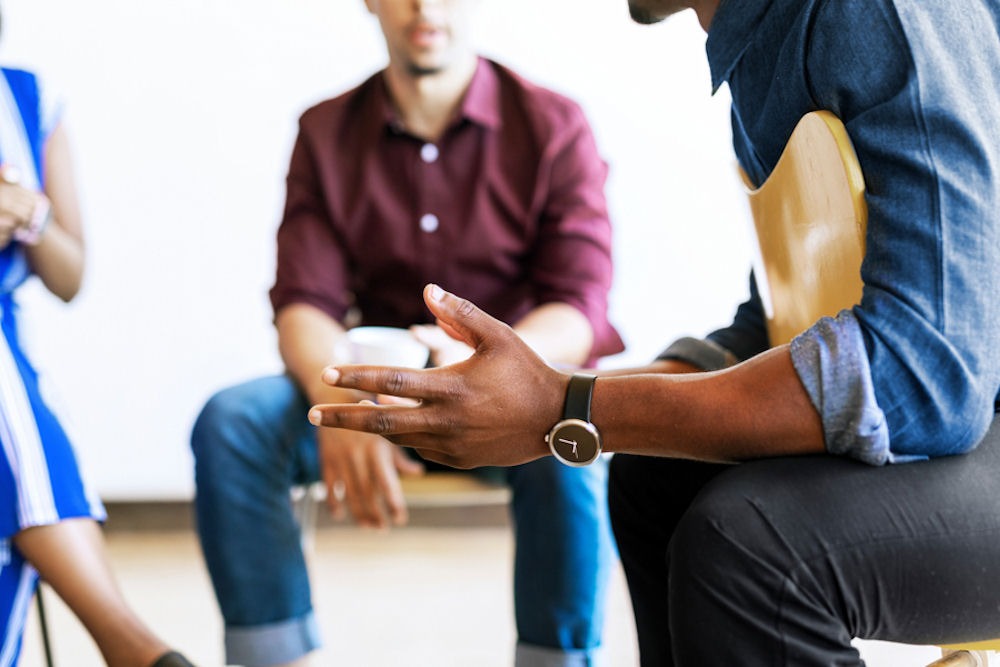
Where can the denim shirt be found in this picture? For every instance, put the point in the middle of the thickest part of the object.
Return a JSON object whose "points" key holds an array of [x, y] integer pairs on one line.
{"points": [[913, 371]]}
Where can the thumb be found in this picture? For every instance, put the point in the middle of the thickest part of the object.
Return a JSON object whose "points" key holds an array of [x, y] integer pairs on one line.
{"points": [[460, 318]]}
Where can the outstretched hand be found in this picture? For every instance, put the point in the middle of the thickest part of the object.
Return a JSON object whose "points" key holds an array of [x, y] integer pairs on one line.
{"points": [[492, 409]]}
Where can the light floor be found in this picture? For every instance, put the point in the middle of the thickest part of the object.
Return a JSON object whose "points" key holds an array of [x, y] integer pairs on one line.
{"points": [[420, 596]]}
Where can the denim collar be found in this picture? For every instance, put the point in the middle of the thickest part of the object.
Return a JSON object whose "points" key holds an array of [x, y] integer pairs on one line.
{"points": [[733, 28]]}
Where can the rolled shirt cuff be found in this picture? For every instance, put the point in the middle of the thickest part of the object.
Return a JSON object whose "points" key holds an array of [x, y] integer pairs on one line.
{"points": [[831, 360]]}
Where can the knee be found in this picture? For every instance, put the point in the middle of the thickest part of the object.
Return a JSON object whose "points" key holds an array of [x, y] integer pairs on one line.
{"points": [[211, 427], [726, 536], [239, 424]]}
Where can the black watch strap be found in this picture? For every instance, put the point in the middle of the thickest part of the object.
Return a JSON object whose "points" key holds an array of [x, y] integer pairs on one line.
{"points": [[578, 396]]}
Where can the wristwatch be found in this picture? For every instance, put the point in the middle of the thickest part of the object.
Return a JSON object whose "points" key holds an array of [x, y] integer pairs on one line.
{"points": [[574, 440]]}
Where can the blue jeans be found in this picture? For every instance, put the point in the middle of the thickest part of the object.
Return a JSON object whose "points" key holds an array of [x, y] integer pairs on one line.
{"points": [[252, 443]]}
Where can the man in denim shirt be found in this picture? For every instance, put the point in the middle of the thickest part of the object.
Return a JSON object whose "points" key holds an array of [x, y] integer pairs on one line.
{"points": [[784, 560]]}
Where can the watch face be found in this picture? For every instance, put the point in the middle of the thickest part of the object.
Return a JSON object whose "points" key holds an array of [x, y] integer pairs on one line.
{"points": [[575, 442]]}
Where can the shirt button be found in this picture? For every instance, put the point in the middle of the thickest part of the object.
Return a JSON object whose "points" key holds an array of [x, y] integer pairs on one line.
{"points": [[429, 153], [429, 223]]}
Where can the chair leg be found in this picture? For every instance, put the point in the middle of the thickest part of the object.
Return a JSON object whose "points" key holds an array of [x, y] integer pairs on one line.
{"points": [[44, 626], [305, 506]]}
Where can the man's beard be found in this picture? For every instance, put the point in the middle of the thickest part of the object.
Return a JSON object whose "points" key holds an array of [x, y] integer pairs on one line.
{"points": [[417, 70], [643, 16]]}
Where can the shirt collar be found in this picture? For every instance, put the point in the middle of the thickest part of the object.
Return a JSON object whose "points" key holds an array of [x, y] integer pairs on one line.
{"points": [[733, 28], [482, 100], [480, 105]]}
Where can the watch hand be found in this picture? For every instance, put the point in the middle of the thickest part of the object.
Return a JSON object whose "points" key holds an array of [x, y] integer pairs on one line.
{"points": [[570, 442]]}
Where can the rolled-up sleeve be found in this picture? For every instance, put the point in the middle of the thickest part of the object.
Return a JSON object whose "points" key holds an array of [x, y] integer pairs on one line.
{"points": [[311, 265], [571, 260]]}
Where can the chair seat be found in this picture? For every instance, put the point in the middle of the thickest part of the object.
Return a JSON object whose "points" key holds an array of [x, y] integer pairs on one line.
{"points": [[989, 645], [446, 489]]}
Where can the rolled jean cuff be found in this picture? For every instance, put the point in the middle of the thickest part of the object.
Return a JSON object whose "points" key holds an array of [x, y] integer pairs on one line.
{"points": [[528, 655], [272, 644]]}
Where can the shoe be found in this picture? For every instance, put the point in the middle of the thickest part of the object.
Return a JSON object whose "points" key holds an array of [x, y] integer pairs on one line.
{"points": [[172, 659]]}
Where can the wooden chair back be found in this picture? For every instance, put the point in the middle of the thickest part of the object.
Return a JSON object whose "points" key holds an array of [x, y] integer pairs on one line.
{"points": [[810, 218]]}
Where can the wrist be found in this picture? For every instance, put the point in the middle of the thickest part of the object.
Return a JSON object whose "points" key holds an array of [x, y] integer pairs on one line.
{"points": [[574, 440]]}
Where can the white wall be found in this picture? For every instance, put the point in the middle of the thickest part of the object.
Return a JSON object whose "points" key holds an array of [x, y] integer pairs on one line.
{"points": [[182, 115]]}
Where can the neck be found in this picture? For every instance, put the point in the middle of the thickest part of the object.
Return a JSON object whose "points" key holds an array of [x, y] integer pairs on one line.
{"points": [[705, 9], [427, 102]]}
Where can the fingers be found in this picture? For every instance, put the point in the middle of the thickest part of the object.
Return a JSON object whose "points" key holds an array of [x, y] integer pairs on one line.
{"points": [[379, 380], [17, 202], [389, 489], [385, 399], [406, 465], [10, 174], [360, 492], [383, 420], [359, 471]]}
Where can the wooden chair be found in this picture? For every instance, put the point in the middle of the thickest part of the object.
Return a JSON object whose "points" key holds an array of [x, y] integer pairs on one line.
{"points": [[810, 219]]}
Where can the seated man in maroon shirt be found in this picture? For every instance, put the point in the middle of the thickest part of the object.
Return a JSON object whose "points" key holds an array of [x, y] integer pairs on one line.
{"points": [[446, 168]]}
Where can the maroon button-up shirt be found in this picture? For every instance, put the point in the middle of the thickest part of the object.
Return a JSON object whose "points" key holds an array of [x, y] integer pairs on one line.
{"points": [[507, 209]]}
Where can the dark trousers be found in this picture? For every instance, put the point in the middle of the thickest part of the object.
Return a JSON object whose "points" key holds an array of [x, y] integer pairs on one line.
{"points": [[784, 561]]}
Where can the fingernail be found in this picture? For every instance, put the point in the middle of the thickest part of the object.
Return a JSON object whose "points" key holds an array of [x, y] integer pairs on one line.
{"points": [[436, 293], [315, 416], [331, 375]]}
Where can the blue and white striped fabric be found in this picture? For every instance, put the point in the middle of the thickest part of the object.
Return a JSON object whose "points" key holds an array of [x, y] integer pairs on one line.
{"points": [[40, 482]]}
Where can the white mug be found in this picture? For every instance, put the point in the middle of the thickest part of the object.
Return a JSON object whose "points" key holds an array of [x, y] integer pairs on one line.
{"points": [[382, 346]]}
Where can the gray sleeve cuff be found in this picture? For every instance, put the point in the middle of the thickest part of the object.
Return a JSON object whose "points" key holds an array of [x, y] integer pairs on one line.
{"points": [[704, 354], [832, 362]]}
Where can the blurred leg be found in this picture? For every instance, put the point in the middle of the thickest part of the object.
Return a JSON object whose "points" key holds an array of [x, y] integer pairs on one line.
{"points": [[563, 559], [647, 497], [70, 556], [251, 444]]}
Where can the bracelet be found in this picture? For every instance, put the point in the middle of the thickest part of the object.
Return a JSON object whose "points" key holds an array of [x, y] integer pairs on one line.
{"points": [[41, 216]]}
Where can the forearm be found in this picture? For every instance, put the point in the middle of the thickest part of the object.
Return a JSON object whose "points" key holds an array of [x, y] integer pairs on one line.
{"points": [[58, 260], [58, 257], [558, 332], [496, 408], [755, 409], [307, 339]]}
